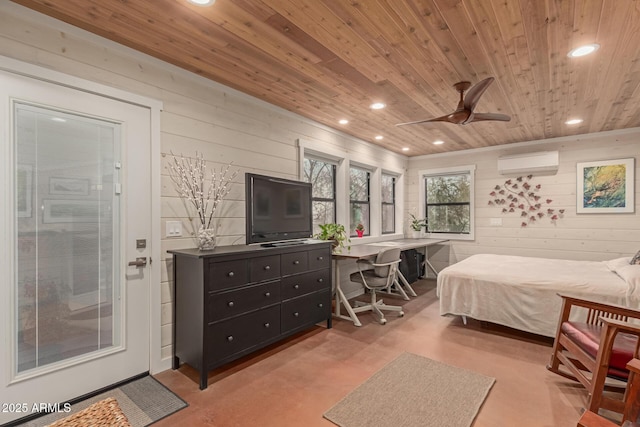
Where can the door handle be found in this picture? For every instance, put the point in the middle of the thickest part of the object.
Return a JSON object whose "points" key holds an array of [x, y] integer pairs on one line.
{"points": [[139, 262]]}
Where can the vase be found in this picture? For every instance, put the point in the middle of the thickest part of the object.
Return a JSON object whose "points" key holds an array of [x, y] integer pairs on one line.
{"points": [[360, 233], [415, 234], [206, 239]]}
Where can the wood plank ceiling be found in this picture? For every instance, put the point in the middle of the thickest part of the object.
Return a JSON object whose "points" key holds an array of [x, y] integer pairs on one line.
{"points": [[330, 59]]}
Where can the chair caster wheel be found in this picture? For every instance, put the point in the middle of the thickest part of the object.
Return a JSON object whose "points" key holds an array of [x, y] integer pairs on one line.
{"points": [[383, 321], [401, 314]]}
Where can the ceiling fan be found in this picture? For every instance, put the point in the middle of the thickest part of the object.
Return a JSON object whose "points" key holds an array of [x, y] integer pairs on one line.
{"points": [[464, 113]]}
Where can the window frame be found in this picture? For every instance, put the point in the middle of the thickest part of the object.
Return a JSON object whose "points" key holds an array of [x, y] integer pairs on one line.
{"points": [[376, 163], [456, 170], [367, 231], [383, 203], [334, 200]]}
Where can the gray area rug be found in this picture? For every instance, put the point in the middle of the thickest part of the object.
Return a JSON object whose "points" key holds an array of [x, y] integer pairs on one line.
{"points": [[413, 391], [144, 401]]}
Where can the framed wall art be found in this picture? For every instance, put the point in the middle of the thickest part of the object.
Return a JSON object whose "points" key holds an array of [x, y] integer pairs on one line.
{"points": [[69, 186], [71, 211], [605, 186]]}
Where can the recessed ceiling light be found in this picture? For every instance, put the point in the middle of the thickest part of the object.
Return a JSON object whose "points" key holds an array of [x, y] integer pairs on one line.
{"points": [[377, 106], [379, 137], [583, 50], [405, 148], [202, 2], [58, 119], [573, 121], [343, 121], [438, 142]]}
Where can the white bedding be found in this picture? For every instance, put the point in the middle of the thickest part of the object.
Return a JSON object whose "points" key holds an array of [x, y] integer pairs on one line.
{"points": [[521, 292]]}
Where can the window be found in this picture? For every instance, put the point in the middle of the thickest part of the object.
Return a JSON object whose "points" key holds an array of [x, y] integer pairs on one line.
{"points": [[448, 202], [388, 192], [350, 192], [322, 176], [359, 207]]}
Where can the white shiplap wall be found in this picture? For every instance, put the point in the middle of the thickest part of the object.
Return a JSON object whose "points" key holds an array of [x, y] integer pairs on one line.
{"points": [[198, 115], [575, 236]]}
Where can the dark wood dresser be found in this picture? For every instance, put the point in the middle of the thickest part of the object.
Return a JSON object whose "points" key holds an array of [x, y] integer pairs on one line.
{"points": [[234, 300]]}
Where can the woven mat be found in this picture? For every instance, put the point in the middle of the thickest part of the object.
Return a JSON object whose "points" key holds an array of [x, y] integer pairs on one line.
{"points": [[413, 391], [143, 402], [105, 413]]}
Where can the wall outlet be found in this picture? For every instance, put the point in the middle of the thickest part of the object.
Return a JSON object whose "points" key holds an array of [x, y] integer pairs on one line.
{"points": [[173, 229], [495, 222]]}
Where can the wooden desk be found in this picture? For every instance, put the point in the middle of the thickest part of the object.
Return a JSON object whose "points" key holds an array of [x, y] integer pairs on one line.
{"points": [[370, 250]]}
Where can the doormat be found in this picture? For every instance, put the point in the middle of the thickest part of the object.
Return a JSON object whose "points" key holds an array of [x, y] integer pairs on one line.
{"points": [[413, 391], [143, 401]]}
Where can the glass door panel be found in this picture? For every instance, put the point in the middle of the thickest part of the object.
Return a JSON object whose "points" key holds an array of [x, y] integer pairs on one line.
{"points": [[68, 286]]}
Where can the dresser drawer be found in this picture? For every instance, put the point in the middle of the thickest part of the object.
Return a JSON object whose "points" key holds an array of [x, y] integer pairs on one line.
{"points": [[320, 258], [241, 333], [301, 284], [264, 268], [232, 303], [294, 263], [306, 310], [227, 274]]}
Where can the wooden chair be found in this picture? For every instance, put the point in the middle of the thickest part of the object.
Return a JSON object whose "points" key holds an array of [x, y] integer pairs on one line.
{"points": [[599, 347], [631, 403]]}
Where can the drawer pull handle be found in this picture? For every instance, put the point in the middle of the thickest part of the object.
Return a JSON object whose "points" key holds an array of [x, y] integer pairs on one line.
{"points": [[267, 267], [267, 325], [267, 294], [230, 274], [296, 262], [296, 314], [230, 338], [230, 303], [320, 305], [321, 280], [320, 258], [296, 286]]}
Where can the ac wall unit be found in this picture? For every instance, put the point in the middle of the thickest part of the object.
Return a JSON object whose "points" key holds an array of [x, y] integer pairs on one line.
{"points": [[540, 163]]}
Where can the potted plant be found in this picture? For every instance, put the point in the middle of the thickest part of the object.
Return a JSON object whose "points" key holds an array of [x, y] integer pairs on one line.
{"points": [[335, 232], [417, 225], [360, 229]]}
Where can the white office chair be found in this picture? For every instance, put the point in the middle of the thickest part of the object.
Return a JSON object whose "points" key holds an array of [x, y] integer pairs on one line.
{"points": [[380, 277]]}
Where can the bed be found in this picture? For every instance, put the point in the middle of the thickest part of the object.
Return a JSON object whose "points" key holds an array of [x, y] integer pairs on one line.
{"points": [[521, 292]]}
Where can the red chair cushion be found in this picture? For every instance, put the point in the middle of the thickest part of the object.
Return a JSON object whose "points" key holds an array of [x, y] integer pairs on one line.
{"points": [[587, 337]]}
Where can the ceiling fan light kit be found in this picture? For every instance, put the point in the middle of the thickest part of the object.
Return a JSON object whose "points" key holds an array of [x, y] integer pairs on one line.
{"points": [[464, 113]]}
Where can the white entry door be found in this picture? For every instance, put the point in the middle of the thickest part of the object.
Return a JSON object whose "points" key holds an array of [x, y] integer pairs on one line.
{"points": [[74, 237]]}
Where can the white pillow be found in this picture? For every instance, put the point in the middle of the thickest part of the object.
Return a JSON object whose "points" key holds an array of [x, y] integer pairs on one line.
{"points": [[630, 273], [615, 264]]}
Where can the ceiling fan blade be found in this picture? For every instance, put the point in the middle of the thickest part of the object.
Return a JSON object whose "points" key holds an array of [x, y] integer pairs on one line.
{"points": [[437, 119], [479, 117], [473, 95]]}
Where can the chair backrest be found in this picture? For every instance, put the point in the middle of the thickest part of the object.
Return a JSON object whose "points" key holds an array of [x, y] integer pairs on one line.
{"points": [[386, 256]]}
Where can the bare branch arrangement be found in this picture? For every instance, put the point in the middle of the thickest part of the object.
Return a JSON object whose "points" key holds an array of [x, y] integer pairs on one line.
{"points": [[190, 180]]}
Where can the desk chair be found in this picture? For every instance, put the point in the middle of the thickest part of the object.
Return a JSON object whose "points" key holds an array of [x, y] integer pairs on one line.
{"points": [[380, 277], [591, 350]]}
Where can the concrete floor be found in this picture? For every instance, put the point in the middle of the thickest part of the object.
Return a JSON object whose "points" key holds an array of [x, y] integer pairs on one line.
{"points": [[294, 382]]}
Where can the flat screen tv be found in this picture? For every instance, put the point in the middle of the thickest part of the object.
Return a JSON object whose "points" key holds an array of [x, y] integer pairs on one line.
{"points": [[277, 209]]}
